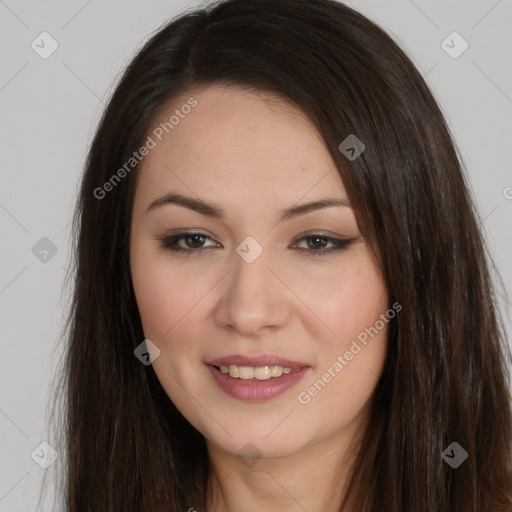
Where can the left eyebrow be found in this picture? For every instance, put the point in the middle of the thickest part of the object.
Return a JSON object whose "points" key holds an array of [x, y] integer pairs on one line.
{"points": [[215, 211]]}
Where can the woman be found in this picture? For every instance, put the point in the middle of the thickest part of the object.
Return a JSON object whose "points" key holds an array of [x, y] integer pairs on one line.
{"points": [[282, 297]]}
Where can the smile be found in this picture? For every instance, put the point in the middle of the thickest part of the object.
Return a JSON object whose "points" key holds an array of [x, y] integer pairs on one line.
{"points": [[248, 383], [258, 372]]}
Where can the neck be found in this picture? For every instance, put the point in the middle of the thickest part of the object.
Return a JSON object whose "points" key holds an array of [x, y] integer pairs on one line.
{"points": [[313, 478]]}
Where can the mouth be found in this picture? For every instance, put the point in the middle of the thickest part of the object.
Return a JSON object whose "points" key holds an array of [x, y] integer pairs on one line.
{"points": [[265, 372], [253, 361], [256, 383]]}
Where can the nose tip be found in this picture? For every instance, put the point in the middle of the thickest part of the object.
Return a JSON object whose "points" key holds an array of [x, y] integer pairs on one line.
{"points": [[253, 303]]}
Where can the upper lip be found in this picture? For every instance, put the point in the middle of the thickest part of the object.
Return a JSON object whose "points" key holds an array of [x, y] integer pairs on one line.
{"points": [[263, 360]]}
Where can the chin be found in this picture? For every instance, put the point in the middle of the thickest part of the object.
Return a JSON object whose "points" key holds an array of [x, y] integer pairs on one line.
{"points": [[257, 446]]}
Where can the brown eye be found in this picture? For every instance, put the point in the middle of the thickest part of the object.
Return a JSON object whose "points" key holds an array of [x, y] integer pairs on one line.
{"points": [[194, 241], [316, 242], [188, 243]]}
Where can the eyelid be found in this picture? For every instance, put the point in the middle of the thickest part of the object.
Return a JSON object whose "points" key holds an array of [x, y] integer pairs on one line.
{"points": [[320, 232], [180, 235]]}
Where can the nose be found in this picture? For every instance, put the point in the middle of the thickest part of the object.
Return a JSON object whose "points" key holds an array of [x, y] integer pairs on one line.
{"points": [[255, 300]]}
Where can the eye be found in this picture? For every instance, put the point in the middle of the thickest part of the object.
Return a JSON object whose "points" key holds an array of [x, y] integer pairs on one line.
{"points": [[318, 241], [193, 243]]}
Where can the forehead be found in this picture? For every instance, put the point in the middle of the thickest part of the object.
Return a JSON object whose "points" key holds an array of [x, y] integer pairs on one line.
{"points": [[233, 141]]}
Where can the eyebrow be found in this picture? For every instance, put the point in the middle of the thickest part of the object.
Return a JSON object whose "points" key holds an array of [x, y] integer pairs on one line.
{"points": [[215, 211]]}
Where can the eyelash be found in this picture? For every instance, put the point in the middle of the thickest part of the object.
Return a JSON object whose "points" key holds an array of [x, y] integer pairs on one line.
{"points": [[169, 242]]}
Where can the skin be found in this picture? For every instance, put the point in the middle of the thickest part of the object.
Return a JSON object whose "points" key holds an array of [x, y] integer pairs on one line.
{"points": [[254, 154]]}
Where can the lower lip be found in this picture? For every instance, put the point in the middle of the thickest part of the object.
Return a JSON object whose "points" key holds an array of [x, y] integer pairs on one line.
{"points": [[254, 390]]}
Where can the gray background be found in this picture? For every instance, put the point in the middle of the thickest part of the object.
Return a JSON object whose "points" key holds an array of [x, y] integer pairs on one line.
{"points": [[50, 108]]}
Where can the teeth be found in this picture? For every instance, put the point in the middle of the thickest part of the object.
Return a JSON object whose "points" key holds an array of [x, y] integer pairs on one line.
{"points": [[249, 372]]}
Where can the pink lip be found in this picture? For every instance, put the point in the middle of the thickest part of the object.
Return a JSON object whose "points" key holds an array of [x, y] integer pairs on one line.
{"points": [[264, 360], [254, 390]]}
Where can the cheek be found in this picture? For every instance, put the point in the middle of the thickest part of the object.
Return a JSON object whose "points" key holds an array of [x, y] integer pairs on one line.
{"points": [[351, 354], [346, 300], [166, 296]]}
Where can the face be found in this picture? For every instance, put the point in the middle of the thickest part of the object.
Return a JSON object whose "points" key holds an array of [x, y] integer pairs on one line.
{"points": [[239, 280]]}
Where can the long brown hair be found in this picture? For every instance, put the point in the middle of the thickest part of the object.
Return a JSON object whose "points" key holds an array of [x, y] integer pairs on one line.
{"points": [[446, 376]]}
